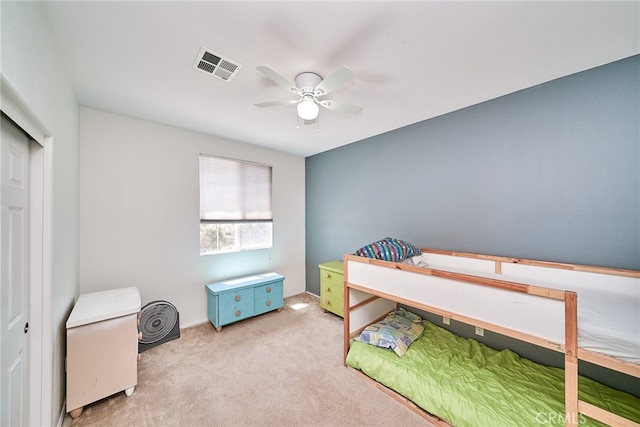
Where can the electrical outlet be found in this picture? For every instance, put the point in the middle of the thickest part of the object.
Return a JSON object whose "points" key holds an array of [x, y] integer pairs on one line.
{"points": [[479, 331], [446, 320]]}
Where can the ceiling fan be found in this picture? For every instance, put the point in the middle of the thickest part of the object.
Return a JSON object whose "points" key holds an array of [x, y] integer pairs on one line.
{"points": [[309, 87]]}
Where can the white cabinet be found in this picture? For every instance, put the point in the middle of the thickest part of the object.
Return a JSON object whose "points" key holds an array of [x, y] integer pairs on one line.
{"points": [[102, 346]]}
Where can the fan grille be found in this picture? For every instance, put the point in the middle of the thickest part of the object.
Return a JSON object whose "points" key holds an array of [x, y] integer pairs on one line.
{"points": [[157, 319]]}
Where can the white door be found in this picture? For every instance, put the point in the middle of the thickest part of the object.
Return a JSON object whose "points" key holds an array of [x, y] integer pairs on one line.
{"points": [[14, 271]]}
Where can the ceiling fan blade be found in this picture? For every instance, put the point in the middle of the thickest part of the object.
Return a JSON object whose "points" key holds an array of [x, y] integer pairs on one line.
{"points": [[278, 79], [335, 80], [341, 107], [276, 103]]}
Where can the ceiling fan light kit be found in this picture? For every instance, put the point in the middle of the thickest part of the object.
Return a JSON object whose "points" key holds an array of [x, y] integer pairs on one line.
{"points": [[308, 87], [307, 108]]}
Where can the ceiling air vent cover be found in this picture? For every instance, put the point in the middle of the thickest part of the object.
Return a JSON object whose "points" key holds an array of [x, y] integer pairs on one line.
{"points": [[216, 65]]}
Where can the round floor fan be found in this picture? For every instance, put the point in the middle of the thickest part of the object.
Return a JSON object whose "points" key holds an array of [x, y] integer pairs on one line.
{"points": [[159, 323]]}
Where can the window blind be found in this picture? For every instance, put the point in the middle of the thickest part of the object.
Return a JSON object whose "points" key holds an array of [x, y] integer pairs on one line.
{"points": [[234, 191]]}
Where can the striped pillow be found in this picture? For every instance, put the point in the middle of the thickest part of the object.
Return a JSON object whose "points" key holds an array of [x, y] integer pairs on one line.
{"points": [[389, 249]]}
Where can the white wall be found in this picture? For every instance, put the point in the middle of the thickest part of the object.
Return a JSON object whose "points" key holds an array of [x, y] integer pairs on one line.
{"points": [[31, 65], [139, 213]]}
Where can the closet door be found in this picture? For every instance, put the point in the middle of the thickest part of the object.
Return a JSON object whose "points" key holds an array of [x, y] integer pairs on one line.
{"points": [[14, 271]]}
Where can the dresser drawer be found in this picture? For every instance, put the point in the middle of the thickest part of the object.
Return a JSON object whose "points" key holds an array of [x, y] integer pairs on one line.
{"points": [[331, 289], [236, 312], [268, 297], [328, 278], [333, 304], [235, 298], [269, 289]]}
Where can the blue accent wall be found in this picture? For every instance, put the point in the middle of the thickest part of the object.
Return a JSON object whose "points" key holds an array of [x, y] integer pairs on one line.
{"points": [[549, 173]]}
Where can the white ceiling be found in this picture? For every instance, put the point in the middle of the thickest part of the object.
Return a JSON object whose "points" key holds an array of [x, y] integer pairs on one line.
{"points": [[413, 60]]}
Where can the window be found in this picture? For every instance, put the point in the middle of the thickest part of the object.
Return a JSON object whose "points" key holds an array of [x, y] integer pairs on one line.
{"points": [[235, 205]]}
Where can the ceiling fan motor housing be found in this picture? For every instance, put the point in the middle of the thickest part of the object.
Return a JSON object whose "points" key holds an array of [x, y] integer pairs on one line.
{"points": [[307, 82]]}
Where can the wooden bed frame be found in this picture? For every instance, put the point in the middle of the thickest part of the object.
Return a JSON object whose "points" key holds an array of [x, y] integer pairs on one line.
{"points": [[373, 288]]}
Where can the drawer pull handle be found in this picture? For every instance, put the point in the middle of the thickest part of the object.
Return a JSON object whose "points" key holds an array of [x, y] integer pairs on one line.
{"points": [[327, 302], [327, 275], [269, 290], [238, 313], [238, 297], [328, 289], [268, 303]]}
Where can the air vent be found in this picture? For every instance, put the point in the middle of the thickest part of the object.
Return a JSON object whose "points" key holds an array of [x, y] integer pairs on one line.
{"points": [[216, 65]]}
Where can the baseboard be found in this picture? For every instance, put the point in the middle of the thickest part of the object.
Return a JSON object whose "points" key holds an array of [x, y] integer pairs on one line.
{"points": [[194, 323], [312, 294], [62, 414]]}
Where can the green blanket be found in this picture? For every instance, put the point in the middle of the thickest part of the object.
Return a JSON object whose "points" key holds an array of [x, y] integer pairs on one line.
{"points": [[469, 384]]}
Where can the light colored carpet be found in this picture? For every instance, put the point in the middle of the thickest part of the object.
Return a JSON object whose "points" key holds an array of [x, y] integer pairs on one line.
{"points": [[278, 369]]}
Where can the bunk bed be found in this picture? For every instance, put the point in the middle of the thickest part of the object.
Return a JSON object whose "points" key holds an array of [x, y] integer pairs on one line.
{"points": [[586, 313]]}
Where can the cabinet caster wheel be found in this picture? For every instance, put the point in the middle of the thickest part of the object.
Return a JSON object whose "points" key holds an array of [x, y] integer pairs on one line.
{"points": [[219, 329], [76, 412], [279, 310], [129, 391]]}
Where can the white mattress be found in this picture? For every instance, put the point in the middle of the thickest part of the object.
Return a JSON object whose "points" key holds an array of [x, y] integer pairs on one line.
{"points": [[608, 309], [609, 323]]}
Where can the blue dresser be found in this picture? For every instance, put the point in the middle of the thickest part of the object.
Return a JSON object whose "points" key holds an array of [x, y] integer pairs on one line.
{"points": [[232, 300]]}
